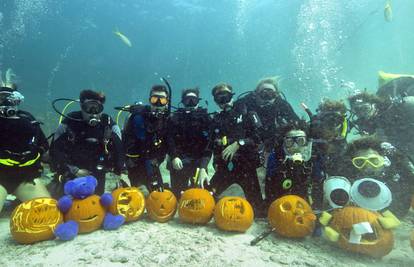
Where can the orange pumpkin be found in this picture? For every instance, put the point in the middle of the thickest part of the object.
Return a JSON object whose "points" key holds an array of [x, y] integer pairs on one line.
{"points": [[161, 206], [233, 214], [291, 216], [196, 206], [35, 220], [377, 244], [88, 213], [128, 202]]}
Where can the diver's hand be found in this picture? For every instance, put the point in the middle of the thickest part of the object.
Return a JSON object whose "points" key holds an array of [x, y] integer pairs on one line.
{"points": [[82, 173], [202, 178], [177, 164], [229, 152]]}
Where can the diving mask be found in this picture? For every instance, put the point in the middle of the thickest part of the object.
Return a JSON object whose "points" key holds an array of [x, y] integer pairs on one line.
{"points": [[9, 100], [292, 140], [92, 107], [223, 98], [363, 109], [158, 101], [190, 100], [373, 160], [267, 95]]}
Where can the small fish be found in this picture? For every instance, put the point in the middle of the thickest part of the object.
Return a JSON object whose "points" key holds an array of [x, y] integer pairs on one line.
{"points": [[123, 38], [388, 11]]}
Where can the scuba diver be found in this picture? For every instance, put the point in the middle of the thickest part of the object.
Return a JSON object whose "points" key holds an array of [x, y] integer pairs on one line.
{"points": [[292, 168], [145, 138], [187, 143], [22, 144], [366, 109], [87, 142], [370, 157], [328, 130], [234, 142], [273, 109], [389, 117]]}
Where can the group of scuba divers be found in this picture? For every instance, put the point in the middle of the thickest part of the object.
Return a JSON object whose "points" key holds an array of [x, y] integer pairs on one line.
{"points": [[257, 130]]}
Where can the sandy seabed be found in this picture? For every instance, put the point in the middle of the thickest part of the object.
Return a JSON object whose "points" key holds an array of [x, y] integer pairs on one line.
{"points": [[148, 243]]}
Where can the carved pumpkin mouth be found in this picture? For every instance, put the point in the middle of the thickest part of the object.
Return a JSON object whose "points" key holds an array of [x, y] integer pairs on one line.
{"points": [[366, 239], [89, 219], [193, 204]]}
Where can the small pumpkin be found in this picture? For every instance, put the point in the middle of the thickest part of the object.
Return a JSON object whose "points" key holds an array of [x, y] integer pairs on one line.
{"points": [[233, 214], [161, 206], [376, 244], [35, 220], [196, 206], [291, 216], [128, 202], [88, 213]]}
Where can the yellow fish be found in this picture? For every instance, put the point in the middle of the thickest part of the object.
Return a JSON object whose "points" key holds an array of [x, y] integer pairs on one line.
{"points": [[123, 38], [388, 11]]}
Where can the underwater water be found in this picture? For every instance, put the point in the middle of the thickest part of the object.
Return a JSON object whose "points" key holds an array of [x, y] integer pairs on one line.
{"points": [[58, 48], [319, 48]]}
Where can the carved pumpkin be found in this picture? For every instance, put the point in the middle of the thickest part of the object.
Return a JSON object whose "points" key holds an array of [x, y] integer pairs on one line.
{"points": [[161, 206], [291, 216], [196, 206], [128, 202], [35, 220], [376, 244], [233, 214], [88, 213]]}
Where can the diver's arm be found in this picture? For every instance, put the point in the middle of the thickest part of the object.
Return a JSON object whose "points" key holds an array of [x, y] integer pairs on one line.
{"points": [[58, 146]]}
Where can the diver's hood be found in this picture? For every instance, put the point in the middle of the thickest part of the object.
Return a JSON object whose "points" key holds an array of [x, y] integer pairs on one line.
{"points": [[371, 194], [336, 191], [303, 156]]}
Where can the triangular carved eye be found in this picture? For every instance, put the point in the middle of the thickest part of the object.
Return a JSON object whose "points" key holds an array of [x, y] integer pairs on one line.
{"points": [[286, 206], [299, 205]]}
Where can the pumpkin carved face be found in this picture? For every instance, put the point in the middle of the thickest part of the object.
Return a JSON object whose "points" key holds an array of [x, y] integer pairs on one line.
{"points": [[377, 244], [88, 213], [128, 202], [291, 216], [196, 206], [161, 206], [35, 220], [233, 214]]}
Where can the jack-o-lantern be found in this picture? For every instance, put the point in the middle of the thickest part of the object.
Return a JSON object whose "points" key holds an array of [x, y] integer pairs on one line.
{"points": [[161, 206], [35, 220], [361, 231], [196, 206], [291, 216], [128, 202], [233, 214], [88, 213]]}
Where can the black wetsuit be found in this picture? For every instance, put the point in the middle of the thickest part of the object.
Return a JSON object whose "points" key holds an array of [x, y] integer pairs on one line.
{"points": [[145, 141], [188, 139], [272, 116], [77, 145], [21, 140], [283, 177], [235, 125]]}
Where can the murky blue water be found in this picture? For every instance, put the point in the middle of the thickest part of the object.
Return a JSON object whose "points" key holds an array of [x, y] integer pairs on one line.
{"points": [[59, 47]]}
